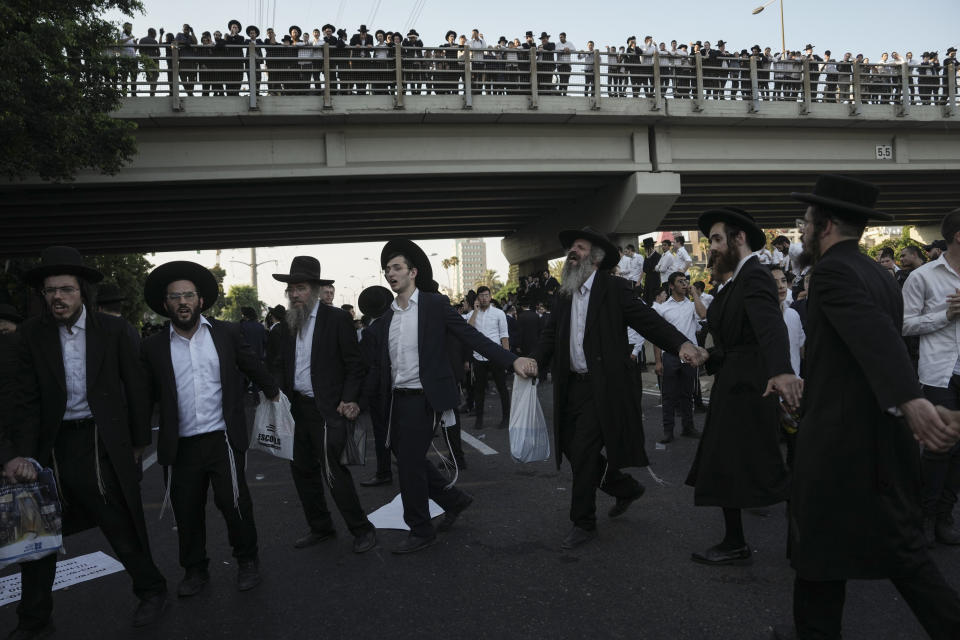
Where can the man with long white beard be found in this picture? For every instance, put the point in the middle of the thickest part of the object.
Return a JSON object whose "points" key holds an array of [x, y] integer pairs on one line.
{"points": [[595, 404], [317, 364]]}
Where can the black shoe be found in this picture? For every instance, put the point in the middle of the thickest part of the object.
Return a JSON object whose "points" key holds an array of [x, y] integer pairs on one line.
{"points": [[376, 480], [149, 610], [623, 504], [577, 537], [414, 543], [193, 582], [716, 556], [691, 433], [454, 512], [20, 633], [365, 541], [313, 538], [944, 533], [666, 440], [248, 575]]}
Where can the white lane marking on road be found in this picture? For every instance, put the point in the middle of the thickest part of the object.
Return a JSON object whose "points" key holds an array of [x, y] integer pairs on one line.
{"points": [[476, 444]]}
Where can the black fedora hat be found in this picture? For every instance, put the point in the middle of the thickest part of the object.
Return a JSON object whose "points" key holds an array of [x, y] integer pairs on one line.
{"points": [[235, 22], [528, 34], [413, 32], [649, 242], [328, 26], [292, 27], [9, 312], [363, 28], [848, 198], [303, 269], [611, 253], [374, 301], [936, 244], [57, 261], [412, 252], [108, 293], [155, 287], [255, 29], [737, 217], [544, 34]]}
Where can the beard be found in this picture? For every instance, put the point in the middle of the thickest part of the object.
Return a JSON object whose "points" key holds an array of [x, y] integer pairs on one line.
{"points": [[811, 252], [725, 261], [575, 274], [298, 314], [190, 322]]}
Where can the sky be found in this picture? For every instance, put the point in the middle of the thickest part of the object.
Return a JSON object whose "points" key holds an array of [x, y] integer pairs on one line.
{"points": [[859, 27]]}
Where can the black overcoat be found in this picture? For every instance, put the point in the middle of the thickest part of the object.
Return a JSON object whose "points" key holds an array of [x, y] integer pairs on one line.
{"points": [[116, 392], [738, 462], [611, 309], [855, 498], [237, 359]]}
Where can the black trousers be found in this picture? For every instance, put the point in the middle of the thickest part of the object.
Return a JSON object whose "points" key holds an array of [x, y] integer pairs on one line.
{"points": [[581, 441], [481, 370], [380, 442], [411, 431], [203, 461], [76, 461], [678, 383], [818, 606], [941, 470], [316, 449]]}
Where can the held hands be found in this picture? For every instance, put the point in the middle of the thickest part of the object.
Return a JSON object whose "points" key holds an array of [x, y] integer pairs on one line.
{"points": [[658, 368], [525, 367], [787, 386], [349, 410], [936, 428], [692, 354], [19, 470], [138, 454]]}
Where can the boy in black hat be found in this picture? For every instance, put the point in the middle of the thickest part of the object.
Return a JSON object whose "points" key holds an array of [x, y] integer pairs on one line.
{"points": [[197, 371]]}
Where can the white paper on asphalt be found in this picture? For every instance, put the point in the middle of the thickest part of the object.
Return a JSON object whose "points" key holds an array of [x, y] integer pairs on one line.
{"points": [[69, 572], [390, 515], [477, 444]]}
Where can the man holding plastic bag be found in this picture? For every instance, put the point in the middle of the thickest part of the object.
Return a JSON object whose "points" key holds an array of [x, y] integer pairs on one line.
{"points": [[595, 406]]}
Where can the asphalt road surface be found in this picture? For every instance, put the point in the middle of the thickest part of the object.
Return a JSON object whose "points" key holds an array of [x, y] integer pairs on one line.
{"points": [[499, 573]]}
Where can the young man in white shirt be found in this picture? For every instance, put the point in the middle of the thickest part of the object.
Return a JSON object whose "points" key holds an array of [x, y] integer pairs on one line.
{"points": [[492, 323], [564, 49], [667, 263], [682, 260]]}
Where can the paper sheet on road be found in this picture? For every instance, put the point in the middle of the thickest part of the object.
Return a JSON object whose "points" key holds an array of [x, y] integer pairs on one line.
{"points": [[390, 515], [69, 572]]}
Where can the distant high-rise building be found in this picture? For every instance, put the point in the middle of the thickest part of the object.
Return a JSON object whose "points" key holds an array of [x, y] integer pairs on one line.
{"points": [[472, 254]]}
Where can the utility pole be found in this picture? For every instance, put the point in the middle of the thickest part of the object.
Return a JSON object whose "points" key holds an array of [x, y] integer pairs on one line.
{"points": [[253, 264]]}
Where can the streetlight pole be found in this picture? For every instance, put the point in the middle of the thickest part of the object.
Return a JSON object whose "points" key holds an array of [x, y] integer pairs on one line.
{"points": [[783, 31], [253, 264]]}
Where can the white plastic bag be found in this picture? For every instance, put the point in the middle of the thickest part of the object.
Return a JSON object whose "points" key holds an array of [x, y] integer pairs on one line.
{"points": [[529, 438], [273, 427], [30, 518]]}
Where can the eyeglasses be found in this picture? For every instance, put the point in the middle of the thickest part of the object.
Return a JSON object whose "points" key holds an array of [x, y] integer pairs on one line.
{"points": [[801, 224], [67, 291], [186, 295]]}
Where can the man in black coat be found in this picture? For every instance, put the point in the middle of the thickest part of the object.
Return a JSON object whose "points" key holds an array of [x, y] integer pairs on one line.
{"points": [[595, 404], [374, 302], [855, 508], [89, 403], [318, 365], [197, 371], [411, 378], [651, 277], [545, 66], [528, 325], [738, 463]]}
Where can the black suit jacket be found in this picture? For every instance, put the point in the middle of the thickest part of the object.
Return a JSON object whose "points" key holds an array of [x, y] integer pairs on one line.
{"points": [[237, 360], [528, 323], [436, 322], [336, 368]]}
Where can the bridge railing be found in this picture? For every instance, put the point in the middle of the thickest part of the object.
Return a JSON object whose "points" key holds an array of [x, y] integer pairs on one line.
{"points": [[255, 71]]}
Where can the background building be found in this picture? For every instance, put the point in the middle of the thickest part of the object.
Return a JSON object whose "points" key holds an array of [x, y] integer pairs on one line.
{"points": [[472, 254]]}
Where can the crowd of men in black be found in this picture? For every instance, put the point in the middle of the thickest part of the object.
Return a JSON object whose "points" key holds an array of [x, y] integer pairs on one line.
{"points": [[365, 63]]}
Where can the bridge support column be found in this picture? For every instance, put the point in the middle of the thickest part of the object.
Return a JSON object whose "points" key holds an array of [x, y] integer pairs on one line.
{"points": [[636, 204]]}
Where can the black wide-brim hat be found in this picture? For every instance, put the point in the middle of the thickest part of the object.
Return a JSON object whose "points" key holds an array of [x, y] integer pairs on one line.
{"points": [[235, 22], [544, 34], [328, 26], [649, 242], [109, 293], [58, 261], [413, 32], [303, 269], [155, 287], [9, 312], [409, 250], [450, 33], [292, 27], [256, 31], [845, 197], [611, 253], [737, 217], [374, 301]]}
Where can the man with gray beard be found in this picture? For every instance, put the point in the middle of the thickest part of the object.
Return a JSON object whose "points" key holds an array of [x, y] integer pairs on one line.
{"points": [[595, 406], [317, 364]]}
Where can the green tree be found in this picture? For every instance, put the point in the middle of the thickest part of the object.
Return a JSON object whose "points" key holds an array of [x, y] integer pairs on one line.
{"points": [[556, 268], [58, 85], [129, 272], [489, 279], [897, 244], [217, 309], [240, 295]]}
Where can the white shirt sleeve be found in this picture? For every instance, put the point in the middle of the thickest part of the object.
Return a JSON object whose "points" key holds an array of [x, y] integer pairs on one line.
{"points": [[915, 321]]}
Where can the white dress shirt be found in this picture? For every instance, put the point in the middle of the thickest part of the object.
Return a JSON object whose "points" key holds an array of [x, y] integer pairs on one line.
{"points": [[302, 378], [631, 267], [563, 51], [796, 337], [667, 265], [491, 323], [578, 323], [196, 369], [925, 314], [636, 341], [706, 299], [682, 314], [73, 345], [405, 344], [682, 261]]}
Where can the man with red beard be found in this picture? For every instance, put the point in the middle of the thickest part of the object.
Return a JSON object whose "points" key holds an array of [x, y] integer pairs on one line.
{"points": [[738, 463], [595, 404], [197, 373]]}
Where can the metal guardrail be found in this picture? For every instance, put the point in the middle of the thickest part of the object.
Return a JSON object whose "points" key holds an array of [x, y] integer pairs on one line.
{"points": [[257, 70]]}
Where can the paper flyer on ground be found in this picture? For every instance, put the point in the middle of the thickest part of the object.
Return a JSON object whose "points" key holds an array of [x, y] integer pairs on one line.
{"points": [[69, 572]]}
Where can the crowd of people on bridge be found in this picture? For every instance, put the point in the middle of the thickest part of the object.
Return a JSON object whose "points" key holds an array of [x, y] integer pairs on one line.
{"points": [[215, 63], [812, 345]]}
